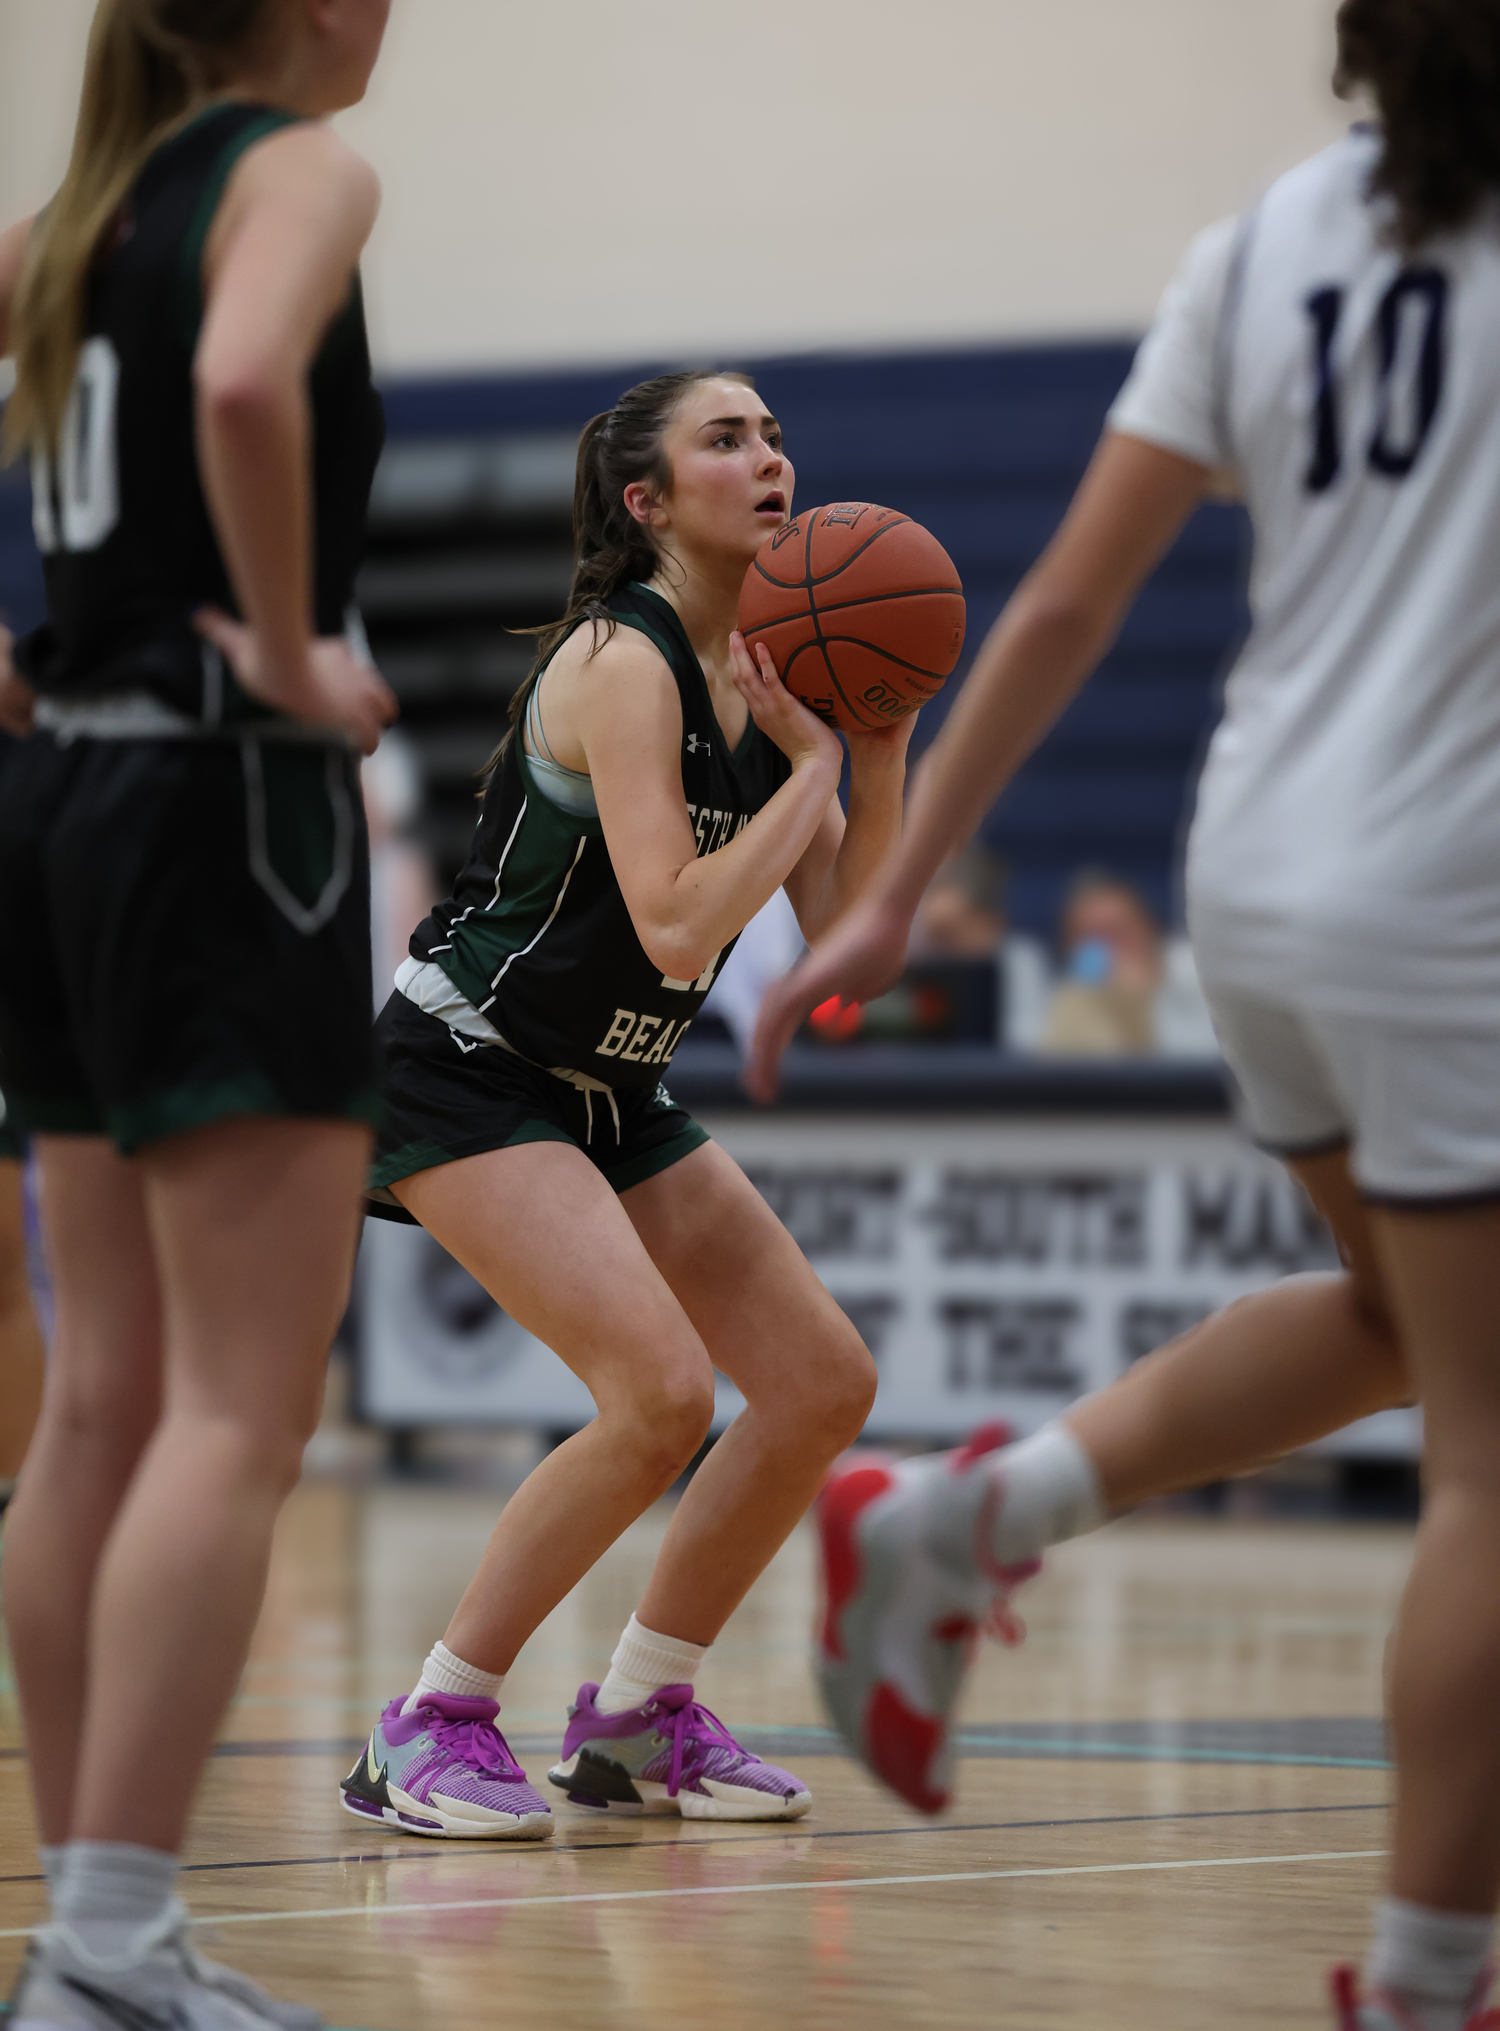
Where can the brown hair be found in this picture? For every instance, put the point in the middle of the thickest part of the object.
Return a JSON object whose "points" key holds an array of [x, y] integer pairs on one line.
{"points": [[147, 60], [610, 547], [1434, 69]]}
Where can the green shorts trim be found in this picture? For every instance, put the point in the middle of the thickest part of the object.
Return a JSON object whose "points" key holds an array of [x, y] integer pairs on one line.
{"points": [[652, 1162], [447, 1099], [180, 1109]]}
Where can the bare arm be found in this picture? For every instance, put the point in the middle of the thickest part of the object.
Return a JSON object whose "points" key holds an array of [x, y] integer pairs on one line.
{"points": [[278, 266], [845, 856], [12, 256], [1130, 506], [685, 908]]}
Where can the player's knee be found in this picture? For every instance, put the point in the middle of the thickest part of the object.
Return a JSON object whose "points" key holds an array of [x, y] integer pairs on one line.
{"points": [[837, 1388], [672, 1409], [104, 1413]]}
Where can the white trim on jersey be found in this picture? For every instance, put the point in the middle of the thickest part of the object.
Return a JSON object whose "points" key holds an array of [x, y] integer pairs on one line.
{"points": [[499, 871], [521, 951]]}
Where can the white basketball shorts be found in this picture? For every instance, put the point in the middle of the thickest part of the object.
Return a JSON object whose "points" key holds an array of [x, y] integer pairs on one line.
{"points": [[1417, 1106]]}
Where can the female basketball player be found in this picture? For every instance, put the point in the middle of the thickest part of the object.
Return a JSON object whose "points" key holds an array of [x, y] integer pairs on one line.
{"points": [[657, 789], [1336, 349], [184, 923], [21, 1357]]}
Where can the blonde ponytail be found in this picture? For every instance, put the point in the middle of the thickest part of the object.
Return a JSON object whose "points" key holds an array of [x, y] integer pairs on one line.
{"points": [[145, 64]]}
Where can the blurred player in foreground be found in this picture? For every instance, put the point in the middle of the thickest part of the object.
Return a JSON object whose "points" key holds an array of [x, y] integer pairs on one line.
{"points": [[21, 1354], [657, 788], [184, 923], [1338, 350]]}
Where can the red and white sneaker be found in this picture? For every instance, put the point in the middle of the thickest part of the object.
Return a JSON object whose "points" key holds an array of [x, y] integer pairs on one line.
{"points": [[909, 1583], [1384, 2012]]}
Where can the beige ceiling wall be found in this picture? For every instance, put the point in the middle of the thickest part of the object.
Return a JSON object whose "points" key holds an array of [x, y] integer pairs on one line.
{"points": [[615, 179]]}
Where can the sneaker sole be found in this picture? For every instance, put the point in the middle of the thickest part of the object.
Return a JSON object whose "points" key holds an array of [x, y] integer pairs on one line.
{"points": [[895, 1743], [652, 1801], [431, 1823]]}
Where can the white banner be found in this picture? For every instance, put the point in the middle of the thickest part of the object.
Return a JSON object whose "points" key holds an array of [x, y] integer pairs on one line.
{"points": [[993, 1268]]}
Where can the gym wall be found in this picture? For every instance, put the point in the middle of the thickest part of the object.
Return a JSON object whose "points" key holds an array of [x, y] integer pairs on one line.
{"points": [[601, 182]]}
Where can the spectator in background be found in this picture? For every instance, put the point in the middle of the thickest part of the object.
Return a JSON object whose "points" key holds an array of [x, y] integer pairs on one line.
{"points": [[1113, 966], [1127, 989], [963, 916]]}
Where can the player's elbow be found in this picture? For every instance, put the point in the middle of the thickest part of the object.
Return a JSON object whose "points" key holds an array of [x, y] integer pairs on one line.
{"points": [[677, 951], [241, 397], [1069, 620]]}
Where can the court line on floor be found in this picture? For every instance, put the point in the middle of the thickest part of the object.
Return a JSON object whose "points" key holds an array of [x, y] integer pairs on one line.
{"points": [[492, 1851], [820, 1741], [816, 1883]]}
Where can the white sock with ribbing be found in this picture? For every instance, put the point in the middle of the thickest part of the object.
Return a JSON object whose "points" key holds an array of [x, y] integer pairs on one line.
{"points": [[108, 1894], [642, 1664], [1429, 1960], [1050, 1492], [444, 1673]]}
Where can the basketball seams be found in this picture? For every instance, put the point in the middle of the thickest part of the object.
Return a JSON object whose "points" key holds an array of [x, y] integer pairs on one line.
{"points": [[844, 606], [817, 625], [822, 577], [855, 710], [812, 607]]}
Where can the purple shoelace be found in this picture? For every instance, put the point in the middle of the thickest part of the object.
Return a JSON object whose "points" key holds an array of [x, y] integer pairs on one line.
{"points": [[695, 1734], [479, 1743]]}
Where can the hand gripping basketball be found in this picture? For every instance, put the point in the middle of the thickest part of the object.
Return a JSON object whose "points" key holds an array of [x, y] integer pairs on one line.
{"points": [[861, 608]]}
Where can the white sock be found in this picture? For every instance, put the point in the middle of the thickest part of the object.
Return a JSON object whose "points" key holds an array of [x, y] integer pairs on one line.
{"points": [[642, 1664], [444, 1673], [109, 1892], [1431, 1959], [52, 1861], [1051, 1493]]}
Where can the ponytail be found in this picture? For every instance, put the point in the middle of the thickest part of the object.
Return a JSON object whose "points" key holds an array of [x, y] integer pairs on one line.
{"points": [[1434, 69], [147, 61], [610, 547]]}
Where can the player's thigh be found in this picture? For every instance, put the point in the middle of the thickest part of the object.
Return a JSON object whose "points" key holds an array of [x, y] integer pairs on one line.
{"points": [[1295, 1101], [104, 1364], [12, 1233], [254, 1223], [549, 1239], [1329, 1183], [765, 1318], [1442, 1267]]}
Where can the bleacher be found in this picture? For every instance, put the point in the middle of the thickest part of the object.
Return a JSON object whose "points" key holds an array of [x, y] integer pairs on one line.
{"points": [[469, 540]]}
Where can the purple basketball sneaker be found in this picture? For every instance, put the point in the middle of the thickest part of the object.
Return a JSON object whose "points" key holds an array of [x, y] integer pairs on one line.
{"points": [[444, 1770], [670, 1755]]}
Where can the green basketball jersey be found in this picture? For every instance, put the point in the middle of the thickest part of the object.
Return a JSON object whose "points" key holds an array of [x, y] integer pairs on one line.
{"points": [[536, 934]]}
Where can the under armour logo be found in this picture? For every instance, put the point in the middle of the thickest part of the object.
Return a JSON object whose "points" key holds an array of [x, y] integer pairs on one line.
{"points": [[695, 744]]}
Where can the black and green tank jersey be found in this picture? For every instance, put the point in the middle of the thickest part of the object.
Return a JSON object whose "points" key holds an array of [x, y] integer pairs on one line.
{"points": [[536, 934], [128, 548]]}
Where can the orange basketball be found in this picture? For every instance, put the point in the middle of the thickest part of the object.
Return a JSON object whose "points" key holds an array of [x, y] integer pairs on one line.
{"points": [[861, 609]]}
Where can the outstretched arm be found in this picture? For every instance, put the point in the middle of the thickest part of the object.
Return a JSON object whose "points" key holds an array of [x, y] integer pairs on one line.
{"points": [[1131, 504]]}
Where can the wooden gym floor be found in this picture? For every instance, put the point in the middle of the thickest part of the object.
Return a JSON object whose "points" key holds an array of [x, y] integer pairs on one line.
{"points": [[1171, 1811]]}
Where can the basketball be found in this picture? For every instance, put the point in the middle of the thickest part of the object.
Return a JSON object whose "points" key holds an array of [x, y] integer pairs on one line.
{"points": [[862, 610]]}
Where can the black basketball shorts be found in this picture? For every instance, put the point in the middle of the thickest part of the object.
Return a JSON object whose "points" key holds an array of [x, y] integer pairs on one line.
{"points": [[184, 936], [445, 1096]]}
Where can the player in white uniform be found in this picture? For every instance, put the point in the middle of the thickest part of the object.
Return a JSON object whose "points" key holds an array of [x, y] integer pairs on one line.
{"points": [[1339, 351]]}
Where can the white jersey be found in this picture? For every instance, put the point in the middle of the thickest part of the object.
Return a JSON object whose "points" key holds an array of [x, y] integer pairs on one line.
{"points": [[1346, 847]]}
